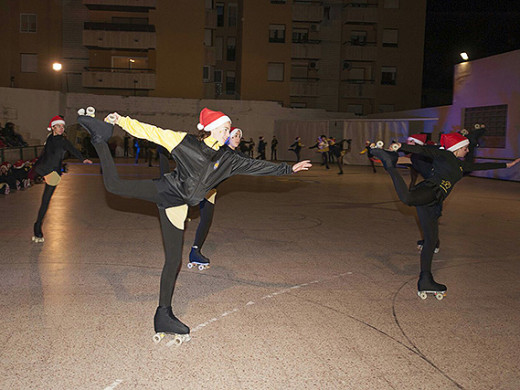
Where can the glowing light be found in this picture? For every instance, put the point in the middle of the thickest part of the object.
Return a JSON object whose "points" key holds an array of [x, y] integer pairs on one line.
{"points": [[56, 66], [464, 56]]}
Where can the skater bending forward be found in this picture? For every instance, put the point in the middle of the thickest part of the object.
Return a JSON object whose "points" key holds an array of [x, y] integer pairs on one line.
{"points": [[428, 196], [201, 164]]}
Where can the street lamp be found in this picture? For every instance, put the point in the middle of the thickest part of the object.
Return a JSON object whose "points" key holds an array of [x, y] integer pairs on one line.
{"points": [[56, 66], [464, 56]]}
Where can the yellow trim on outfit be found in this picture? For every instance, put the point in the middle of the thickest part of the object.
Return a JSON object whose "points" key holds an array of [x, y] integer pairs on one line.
{"points": [[167, 138], [211, 195], [177, 215], [52, 179]]}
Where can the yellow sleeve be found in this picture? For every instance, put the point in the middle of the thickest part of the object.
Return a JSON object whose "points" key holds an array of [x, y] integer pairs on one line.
{"points": [[167, 138]]}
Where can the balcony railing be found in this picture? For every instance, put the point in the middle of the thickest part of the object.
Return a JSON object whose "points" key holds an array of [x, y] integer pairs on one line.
{"points": [[119, 39], [308, 88], [121, 5], [118, 27], [358, 89], [354, 15], [305, 51], [360, 53], [119, 78]]}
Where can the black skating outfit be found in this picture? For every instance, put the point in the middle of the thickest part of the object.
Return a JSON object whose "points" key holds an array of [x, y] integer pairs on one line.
{"points": [[338, 151], [200, 166], [428, 196], [49, 165], [296, 147]]}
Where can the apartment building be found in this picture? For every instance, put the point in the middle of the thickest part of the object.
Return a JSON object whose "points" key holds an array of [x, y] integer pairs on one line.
{"points": [[359, 56]]}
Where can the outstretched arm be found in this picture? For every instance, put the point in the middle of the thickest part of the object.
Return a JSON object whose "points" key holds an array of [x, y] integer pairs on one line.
{"points": [[167, 138], [75, 152]]}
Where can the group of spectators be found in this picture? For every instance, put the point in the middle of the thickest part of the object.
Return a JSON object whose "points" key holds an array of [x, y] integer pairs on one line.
{"points": [[16, 176], [9, 138]]}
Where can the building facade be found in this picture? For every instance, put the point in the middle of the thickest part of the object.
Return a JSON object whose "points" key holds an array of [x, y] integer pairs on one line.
{"points": [[358, 56]]}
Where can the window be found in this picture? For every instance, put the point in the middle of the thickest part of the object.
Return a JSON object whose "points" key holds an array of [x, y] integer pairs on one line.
{"points": [[388, 75], [220, 14], [358, 38], [232, 14], [129, 62], [208, 37], [300, 35], [27, 23], [359, 3], [277, 33], [217, 76], [495, 120], [355, 109], [386, 108], [275, 71], [356, 75], [231, 49], [29, 63], [206, 72], [390, 37], [391, 4], [219, 48], [209, 4], [121, 20], [230, 83]]}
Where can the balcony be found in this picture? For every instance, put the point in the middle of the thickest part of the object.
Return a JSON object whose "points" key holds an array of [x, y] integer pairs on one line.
{"points": [[357, 15], [117, 78], [360, 53], [120, 5], [304, 88], [306, 51], [119, 36], [358, 89], [307, 12]]}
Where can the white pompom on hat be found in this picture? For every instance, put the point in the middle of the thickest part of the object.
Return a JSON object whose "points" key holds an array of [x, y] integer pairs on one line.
{"points": [[453, 141], [419, 139], [56, 120], [210, 119]]}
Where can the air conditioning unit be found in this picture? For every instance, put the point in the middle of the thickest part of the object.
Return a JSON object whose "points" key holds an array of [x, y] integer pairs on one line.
{"points": [[313, 65], [315, 27], [347, 65]]}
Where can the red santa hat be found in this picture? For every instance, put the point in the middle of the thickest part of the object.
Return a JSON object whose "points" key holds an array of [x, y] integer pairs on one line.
{"points": [[235, 130], [6, 165], [56, 120], [210, 120], [453, 141], [19, 164], [419, 139]]}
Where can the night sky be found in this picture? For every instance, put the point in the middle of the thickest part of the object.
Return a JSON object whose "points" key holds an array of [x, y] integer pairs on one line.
{"points": [[481, 28]]}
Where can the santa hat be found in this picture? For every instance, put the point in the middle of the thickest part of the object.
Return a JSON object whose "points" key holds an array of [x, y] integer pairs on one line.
{"points": [[6, 165], [56, 120], [453, 141], [210, 120], [19, 164], [235, 130], [419, 139]]}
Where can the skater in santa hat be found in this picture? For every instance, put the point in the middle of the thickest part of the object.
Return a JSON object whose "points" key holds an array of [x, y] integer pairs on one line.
{"points": [[201, 164], [428, 196], [49, 167]]}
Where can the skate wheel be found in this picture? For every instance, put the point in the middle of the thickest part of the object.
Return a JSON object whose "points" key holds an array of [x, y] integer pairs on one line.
{"points": [[436, 250], [91, 111], [394, 147], [372, 145], [158, 337], [419, 247], [422, 294], [111, 119], [190, 265], [439, 296], [81, 111], [201, 267], [380, 144], [477, 126]]}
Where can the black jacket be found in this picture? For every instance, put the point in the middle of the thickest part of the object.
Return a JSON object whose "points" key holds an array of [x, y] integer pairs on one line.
{"points": [[53, 152]]}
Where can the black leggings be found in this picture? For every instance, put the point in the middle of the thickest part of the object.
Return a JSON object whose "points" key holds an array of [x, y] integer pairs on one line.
{"points": [[429, 221], [146, 190], [417, 196], [46, 199]]}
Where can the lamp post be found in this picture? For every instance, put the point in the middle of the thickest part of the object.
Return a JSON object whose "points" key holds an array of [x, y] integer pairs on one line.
{"points": [[464, 56]]}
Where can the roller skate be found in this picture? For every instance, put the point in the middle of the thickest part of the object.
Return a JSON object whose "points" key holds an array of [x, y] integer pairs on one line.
{"points": [[420, 245], [166, 323], [197, 259], [99, 131], [38, 234], [426, 285], [5, 189], [387, 157]]}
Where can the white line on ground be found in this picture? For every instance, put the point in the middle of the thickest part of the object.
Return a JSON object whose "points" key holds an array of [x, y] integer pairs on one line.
{"points": [[114, 385]]}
